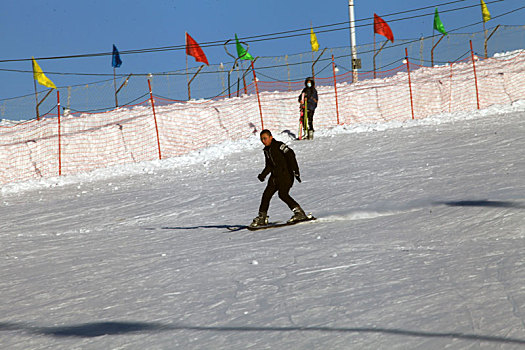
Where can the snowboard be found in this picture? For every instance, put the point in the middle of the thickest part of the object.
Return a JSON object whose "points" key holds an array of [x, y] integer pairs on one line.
{"points": [[310, 217]]}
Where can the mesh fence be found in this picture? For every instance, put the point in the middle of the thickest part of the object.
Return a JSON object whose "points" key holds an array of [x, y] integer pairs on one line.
{"points": [[159, 123], [226, 80]]}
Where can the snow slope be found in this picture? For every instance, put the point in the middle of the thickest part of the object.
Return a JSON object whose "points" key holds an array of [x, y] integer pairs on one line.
{"points": [[419, 245]]}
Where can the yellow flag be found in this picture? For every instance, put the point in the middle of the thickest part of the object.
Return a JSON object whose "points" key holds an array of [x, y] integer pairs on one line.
{"points": [[485, 11], [313, 40], [40, 77]]}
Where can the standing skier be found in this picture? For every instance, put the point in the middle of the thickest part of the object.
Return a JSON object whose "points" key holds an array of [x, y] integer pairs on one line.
{"points": [[310, 95], [280, 162]]}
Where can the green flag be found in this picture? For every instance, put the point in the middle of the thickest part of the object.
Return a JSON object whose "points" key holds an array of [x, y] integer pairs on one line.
{"points": [[438, 25], [241, 51]]}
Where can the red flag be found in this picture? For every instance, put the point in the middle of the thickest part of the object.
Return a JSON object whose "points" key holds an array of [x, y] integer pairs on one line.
{"points": [[382, 28], [193, 49]]}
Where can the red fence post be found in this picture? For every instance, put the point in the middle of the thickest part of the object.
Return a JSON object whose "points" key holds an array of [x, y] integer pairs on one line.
{"points": [[154, 117], [258, 98], [475, 75], [59, 137], [409, 83], [450, 97], [335, 89]]}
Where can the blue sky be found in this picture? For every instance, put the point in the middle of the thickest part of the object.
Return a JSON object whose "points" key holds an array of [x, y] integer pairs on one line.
{"points": [[48, 28]]}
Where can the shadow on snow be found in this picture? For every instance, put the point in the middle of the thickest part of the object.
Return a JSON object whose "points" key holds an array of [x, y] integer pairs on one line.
{"points": [[228, 227], [96, 329], [483, 203]]}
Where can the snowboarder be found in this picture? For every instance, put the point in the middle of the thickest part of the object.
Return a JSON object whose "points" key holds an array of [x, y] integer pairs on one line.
{"points": [[310, 94], [280, 162]]}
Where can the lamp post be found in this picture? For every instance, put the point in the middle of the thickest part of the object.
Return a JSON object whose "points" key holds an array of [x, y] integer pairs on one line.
{"points": [[352, 39]]}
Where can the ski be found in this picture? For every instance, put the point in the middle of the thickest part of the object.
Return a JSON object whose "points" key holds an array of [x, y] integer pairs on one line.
{"points": [[305, 118], [301, 118]]}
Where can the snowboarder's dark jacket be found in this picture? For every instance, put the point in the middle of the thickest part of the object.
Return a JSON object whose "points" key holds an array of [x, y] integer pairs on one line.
{"points": [[311, 94], [281, 163]]}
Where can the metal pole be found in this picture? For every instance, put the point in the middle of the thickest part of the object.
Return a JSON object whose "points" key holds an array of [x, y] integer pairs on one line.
{"points": [[487, 39], [475, 75], [186, 45], [36, 97], [432, 51], [154, 117], [123, 84], [244, 80], [258, 98], [485, 33], [39, 103], [115, 86], [377, 53], [189, 82], [409, 83], [450, 93], [335, 90], [352, 39], [313, 64], [59, 137]]}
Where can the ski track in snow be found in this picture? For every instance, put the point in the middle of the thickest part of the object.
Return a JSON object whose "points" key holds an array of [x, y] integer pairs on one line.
{"points": [[363, 215], [419, 244]]}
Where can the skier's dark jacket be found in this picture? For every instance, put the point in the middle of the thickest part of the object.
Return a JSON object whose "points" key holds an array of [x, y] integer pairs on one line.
{"points": [[281, 163], [311, 94]]}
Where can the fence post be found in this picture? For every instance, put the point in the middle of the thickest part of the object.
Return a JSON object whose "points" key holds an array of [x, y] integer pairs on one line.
{"points": [[450, 93], [258, 98], [154, 117], [313, 64], [189, 82], [59, 137], [120, 88], [487, 39], [475, 75], [409, 83], [377, 53], [335, 89], [433, 48]]}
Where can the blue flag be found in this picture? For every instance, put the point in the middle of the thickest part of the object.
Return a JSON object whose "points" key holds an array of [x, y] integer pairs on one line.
{"points": [[116, 61]]}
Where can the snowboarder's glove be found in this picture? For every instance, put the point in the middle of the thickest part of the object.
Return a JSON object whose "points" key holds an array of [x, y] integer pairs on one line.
{"points": [[261, 177], [297, 176]]}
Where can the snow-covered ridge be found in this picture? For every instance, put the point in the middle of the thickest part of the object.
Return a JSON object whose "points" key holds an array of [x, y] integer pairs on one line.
{"points": [[220, 151]]}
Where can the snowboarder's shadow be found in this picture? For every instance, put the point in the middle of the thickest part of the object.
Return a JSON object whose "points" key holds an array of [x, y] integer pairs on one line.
{"points": [[231, 228]]}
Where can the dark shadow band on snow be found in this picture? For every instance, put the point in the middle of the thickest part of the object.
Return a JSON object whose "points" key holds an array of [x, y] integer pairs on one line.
{"points": [[484, 203], [228, 227], [96, 329], [87, 330]]}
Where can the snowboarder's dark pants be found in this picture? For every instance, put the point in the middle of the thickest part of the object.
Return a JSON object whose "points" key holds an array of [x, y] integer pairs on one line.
{"points": [[284, 195]]}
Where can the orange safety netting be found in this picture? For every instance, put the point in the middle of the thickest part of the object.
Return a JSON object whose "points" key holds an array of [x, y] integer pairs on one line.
{"points": [[83, 142]]}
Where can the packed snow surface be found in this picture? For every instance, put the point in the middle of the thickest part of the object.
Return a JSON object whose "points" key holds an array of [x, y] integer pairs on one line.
{"points": [[420, 244]]}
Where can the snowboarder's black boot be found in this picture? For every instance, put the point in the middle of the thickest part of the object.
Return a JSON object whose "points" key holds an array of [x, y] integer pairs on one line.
{"points": [[298, 215], [260, 220]]}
